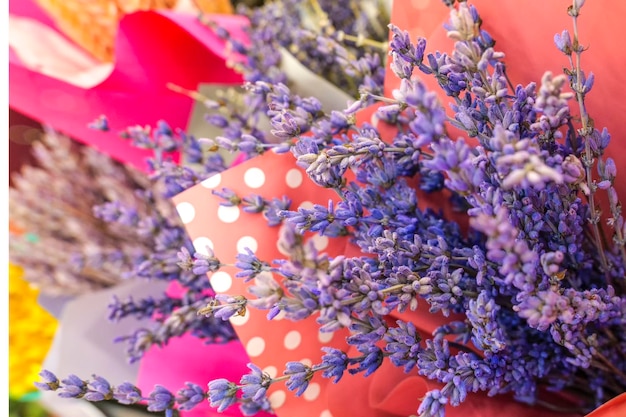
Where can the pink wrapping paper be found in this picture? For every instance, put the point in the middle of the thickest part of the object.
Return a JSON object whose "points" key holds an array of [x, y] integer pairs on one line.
{"points": [[152, 49], [388, 392]]}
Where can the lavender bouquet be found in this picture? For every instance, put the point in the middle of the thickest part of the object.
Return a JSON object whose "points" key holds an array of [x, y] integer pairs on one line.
{"points": [[537, 280], [86, 223]]}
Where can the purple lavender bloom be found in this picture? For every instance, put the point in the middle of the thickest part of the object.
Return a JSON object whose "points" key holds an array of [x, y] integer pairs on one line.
{"points": [[255, 384], [433, 405], [205, 263], [127, 393], [369, 362], [267, 290], [160, 399], [403, 342], [49, 381], [222, 394], [138, 343], [253, 204], [229, 197], [335, 362], [274, 208], [287, 125], [482, 313], [299, 377], [98, 390], [401, 43], [230, 306], [73, 387], [250, 265], [164, 137], [217, 120], [250, 407], [190, 396], [563, 42], [541, 310]]}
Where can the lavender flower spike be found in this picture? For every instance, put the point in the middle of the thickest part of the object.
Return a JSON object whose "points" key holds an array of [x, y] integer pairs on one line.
{"points": [[50, 381], [160, 399], [222, 394]]}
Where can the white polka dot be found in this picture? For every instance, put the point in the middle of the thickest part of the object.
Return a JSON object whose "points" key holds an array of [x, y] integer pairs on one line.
{"points": [[254, 177], [320, 242], [312, 392], [247, 242], [294, 178], [326, 413], [325, 337], [277, 399], [374, 120], [213, 181], [306, 361], [271, 371], [255, 346], [306, 205], [228, 214], [186, 211], [240, 320], [292, 340], [420, 4], [221, 281], [201, 243]]}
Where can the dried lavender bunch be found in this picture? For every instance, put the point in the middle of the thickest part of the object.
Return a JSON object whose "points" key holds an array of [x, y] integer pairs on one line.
{"points": [[62, 246], [88, 223]]}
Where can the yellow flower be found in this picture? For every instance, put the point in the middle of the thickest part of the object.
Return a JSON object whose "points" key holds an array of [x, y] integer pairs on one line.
{"points": [[31, 329]]}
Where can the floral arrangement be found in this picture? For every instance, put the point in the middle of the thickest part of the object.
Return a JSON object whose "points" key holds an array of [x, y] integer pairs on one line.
{"points": [[532, 283]]}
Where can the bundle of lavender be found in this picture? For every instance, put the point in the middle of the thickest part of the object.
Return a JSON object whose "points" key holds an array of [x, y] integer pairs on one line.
{"points": [[83, 222], [535, 289], [62, 246]]}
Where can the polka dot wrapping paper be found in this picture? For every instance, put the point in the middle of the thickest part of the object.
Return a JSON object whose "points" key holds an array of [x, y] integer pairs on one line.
{"points": [[229, 231]]}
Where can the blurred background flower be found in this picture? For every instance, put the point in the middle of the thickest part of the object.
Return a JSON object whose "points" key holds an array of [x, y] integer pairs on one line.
{"points": [[30, 334]]}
